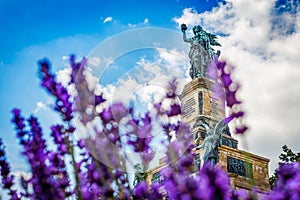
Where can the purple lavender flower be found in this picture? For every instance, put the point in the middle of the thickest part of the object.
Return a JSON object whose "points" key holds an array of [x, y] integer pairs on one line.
{"points": [[141, 191], [77, 67], [62, 104], [227, 81], [99, 172], [140, 136], [7, 177], [49, 177], [59, 138], [85, 101], [99, 99], [175, 110], [230, 88], [231, 98], [241, 130], [288, 183], [210, 183], [19, 121]]}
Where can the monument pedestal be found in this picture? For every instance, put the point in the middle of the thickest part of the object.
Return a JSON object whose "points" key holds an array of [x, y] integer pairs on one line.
{"points": [[202, 99]]}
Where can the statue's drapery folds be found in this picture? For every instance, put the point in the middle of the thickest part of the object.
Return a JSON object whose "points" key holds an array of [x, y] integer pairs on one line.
{"points": [[201, 52]]}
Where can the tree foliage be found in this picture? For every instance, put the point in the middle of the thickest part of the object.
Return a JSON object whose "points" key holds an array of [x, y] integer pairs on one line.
{"points": [[286, 157]]}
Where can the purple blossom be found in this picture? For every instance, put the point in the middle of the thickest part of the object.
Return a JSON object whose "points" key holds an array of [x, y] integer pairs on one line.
{"points": [[86, 101], [209, 183], [77, 67], [238, 114], [141, 191], [99, 99], [230, 88], [227, 81], [231, 98], [59, 138], [62, 104], [49, 179], [288, 183], [175, 110], [99, 170], [172, 87], [241, 130], [7, 177], [115, 112], [140, 136], [19, 121]]}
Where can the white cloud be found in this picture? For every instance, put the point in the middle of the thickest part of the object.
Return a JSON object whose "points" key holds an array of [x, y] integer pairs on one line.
{"points": [[41, 106], [267, 66], [94, 61], [107, 19], [132, 25], [66, 57], [97, 61], [189, 17], [145, 22], [63, 76], [147, 81], [142, 81]]}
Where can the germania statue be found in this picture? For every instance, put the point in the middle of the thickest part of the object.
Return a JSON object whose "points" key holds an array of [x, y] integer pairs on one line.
{"points": [[201, 52]]}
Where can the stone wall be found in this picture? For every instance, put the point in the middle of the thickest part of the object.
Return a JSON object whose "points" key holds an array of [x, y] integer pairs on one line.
{"points": [[258, 172]]}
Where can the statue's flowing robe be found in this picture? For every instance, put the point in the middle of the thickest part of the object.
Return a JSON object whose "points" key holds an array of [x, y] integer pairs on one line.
{"points": [[199, 59]]}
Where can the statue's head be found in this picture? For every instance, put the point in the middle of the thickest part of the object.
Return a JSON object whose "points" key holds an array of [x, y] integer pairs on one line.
{"points": [[197, 29]]}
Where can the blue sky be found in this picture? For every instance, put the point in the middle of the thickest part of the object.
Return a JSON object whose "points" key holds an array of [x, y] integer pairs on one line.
{"points": [[262, 42], [31, 30], [25, 23]]}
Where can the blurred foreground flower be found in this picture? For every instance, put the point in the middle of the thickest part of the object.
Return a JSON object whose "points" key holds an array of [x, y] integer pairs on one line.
{"points": [[95, 166]]}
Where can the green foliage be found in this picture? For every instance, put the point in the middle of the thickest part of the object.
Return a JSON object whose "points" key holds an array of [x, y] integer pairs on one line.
{"points": [[288, 156]]}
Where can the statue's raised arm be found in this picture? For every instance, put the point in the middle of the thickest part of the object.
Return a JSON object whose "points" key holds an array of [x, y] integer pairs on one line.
{"points": [[185, 39], [201, 52]]}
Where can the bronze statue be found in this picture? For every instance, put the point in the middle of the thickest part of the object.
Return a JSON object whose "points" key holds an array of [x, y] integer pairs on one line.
{"points": [[139, 175], [201, 52], [211, 142]]}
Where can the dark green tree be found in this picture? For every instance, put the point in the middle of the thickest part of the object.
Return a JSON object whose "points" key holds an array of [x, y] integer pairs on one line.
{"points": [[288, 156]]}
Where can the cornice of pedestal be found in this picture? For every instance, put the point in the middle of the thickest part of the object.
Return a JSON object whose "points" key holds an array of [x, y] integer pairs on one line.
{"points": [[199, 83]]}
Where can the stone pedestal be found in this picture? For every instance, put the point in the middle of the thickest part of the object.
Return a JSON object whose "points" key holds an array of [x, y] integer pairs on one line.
{"points": [[203, 99]]}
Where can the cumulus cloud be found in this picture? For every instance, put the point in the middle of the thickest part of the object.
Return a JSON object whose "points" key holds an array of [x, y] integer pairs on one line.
{"points": [[145, 22], [164, 65], [144, 83], [97, 61], [94, 61], [65, 57], [189, 17], [107, 19], [267, 66], [63, 76], [40, 106]]}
